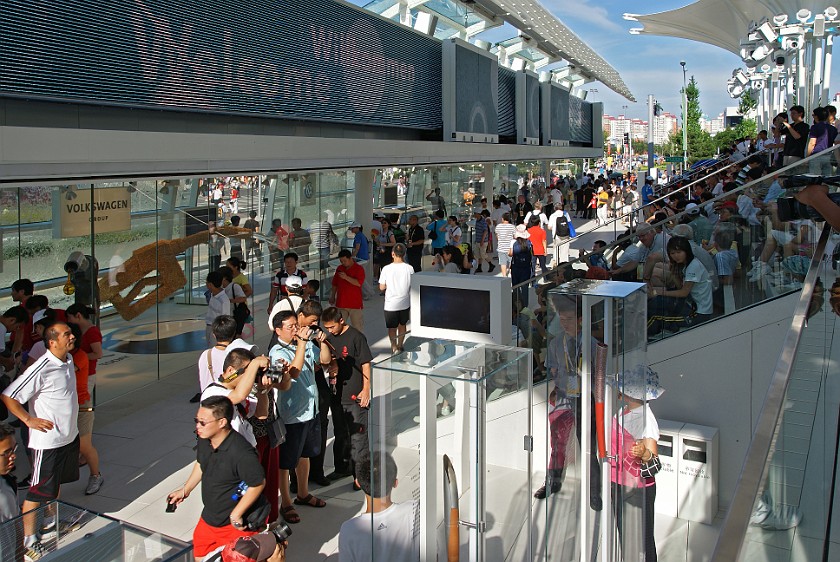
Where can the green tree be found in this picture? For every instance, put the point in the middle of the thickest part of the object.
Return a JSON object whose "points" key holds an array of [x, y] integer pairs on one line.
{"points": [[747, 128], [700, 143], [746, 103]]}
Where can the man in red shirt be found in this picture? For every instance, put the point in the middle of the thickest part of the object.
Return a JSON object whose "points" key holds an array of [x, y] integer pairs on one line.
{"points": [[346, 292]]}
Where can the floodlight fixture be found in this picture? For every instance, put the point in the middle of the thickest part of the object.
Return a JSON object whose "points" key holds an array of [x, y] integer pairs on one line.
{"points": [[765, 67], [792, 30], [767, 31], [819, 25], [830, 13], [780, 19], [761, 52], [803, 15]]}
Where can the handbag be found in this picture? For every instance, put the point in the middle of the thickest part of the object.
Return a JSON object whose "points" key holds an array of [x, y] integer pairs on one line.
{"points": [[257, 515], [272, 426]]}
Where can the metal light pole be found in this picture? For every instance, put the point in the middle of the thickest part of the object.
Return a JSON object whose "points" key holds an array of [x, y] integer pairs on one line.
{"points": [[685, 117]]}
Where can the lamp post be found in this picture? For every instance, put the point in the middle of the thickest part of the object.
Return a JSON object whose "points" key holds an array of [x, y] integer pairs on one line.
{"points": [[685, 117]]}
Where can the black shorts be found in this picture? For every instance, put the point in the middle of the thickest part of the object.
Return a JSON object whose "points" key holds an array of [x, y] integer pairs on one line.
{"points": [[303, 440], [394, 318], [51, 468]]}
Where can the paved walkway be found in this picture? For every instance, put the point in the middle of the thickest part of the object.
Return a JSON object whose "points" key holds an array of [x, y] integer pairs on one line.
{"points": [[145, 441]]}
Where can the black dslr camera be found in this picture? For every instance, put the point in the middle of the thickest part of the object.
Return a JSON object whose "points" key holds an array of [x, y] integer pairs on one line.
{"points": [[275, 369], [281, 531], [790, 209]]}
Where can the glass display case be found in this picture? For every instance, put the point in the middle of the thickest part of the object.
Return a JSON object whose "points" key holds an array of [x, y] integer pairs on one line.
{"points": [[589, 497], [80, 535], [455, 418]]}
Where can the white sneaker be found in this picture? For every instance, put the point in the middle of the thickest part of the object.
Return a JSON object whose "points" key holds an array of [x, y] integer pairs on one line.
{"points": [[94, 484], [35, 551], [781, 518]]}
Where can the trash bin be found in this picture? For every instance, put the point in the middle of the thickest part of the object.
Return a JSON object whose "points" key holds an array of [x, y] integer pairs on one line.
{"points": [[666, 480], [697, 473]]}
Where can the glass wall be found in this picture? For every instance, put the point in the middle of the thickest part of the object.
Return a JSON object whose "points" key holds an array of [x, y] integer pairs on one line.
{"points": [[152, 243]]}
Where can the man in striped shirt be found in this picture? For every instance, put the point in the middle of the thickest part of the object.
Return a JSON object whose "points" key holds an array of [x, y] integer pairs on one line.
{"points": [[320, 233], [504, 238]]}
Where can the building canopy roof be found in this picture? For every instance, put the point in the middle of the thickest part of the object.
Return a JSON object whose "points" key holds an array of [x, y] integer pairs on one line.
{"points": [[723, 23], [540, 30]]}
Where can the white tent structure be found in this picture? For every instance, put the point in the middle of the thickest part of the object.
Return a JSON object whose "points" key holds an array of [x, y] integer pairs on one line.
{"points": [[786, 46]]}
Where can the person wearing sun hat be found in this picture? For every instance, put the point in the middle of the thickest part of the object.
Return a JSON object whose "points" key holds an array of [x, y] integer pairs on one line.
{"points": [[635, 461], [263, 547], [521, 255]]}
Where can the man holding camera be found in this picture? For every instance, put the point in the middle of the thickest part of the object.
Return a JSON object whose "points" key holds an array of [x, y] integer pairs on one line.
{"points": [[230, 475], [352, 357], [302, 348]]}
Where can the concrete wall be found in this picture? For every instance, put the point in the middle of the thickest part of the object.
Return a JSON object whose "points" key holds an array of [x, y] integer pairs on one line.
{"points": [[718, 375], [38, 154]]}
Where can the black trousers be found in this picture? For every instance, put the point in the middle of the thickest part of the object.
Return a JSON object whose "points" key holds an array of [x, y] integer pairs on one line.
{"points": [[316, 463], [594, 463], [642, 499], [415, 260], [351, 436]]}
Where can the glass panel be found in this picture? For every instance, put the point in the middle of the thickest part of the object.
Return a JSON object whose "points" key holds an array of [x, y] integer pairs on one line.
{"points": [[597, 387], [469, 404], [85, 535], [792, 513]]}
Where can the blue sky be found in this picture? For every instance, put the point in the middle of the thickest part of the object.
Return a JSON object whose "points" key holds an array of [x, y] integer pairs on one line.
{"points": [[648, 64]]}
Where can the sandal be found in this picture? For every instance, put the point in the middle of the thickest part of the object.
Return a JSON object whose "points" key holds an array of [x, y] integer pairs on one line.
{"points": [[311, 501], [290, 515]]}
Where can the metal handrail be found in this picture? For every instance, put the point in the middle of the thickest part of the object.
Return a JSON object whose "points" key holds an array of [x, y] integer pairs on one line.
{"points": [[664, 196], [677, 216], [754, 470]]}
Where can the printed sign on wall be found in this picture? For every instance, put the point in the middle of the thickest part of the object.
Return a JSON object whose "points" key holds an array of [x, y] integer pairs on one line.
{"points": [[109, 211]]}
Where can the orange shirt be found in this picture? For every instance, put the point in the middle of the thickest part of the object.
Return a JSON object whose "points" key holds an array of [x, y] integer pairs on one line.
{"points": [[537, 239], [82, 364]]}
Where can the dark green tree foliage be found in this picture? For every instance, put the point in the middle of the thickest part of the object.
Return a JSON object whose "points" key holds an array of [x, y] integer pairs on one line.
{"points": [[700, 143]]}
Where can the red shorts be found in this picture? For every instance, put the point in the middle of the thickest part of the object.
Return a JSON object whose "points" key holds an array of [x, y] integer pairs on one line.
{"points": [[207, 538]]}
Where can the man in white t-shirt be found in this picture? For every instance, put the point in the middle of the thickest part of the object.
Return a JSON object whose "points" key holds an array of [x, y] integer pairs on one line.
{"points": [[218, 304], [395, 280], [236, 381], [395, 526], [211, 362], [49, 387]]}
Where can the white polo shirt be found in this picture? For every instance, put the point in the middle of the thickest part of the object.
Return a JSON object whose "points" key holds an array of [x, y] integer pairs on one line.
{"points": [[239, 423], [49, 385], [217, 361]]}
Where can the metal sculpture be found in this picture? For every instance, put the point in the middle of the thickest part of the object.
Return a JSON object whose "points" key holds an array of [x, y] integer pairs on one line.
{"points": [[162, 257], [451, 511], [599, 391]]}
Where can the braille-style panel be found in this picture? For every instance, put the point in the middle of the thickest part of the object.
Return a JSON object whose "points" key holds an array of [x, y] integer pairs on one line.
{"points": [[507, 101], [300, 59]]}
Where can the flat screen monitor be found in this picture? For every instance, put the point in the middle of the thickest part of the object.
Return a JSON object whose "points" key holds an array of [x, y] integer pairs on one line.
{"points": [[460, 307], [199, 219]]}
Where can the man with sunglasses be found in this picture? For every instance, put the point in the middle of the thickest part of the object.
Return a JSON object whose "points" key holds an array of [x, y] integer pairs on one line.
{"points": [[225, 464]]}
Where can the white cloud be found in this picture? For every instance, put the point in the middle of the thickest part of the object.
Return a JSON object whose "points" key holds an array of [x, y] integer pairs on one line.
{"points": [[583, 12]]}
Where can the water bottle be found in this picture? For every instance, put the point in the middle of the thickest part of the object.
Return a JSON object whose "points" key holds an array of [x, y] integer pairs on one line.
{"points": [[240, 491]]}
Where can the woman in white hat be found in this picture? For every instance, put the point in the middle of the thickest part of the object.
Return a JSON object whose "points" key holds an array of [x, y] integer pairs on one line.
{"points": [[635, 462], [521, 253]]}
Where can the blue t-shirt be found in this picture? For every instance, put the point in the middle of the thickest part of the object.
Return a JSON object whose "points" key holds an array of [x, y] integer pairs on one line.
{"points": [[647, 194], [361, 241], [300, 402], [440, 241]]}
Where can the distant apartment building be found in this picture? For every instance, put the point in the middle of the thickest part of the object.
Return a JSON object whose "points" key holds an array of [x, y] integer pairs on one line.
{"points": [[617, 127]]}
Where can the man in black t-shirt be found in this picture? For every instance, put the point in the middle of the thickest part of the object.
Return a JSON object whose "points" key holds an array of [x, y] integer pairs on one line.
{"points": [[414, 241], [226, 465], [351, 367], [796, 136]]}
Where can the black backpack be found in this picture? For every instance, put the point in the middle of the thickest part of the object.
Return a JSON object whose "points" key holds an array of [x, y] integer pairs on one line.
{"points": [[433, 233], [561, 226], [522, 258]]}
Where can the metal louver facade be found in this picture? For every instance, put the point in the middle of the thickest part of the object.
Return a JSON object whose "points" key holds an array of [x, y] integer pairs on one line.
{"points": [[507, 102], [314, 60]]}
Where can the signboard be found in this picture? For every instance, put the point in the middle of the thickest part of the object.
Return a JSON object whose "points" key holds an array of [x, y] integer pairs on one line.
{"points": [[674, 159], [109, 210]]}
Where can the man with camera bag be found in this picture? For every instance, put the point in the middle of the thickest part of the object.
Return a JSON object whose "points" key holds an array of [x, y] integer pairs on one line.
{"points": [[264, 547], [302, 348], [352, 357], [231, 478]]}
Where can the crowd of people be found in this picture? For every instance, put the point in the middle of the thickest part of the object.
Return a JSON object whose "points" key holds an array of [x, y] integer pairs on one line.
{"points": [[263, 415]]}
